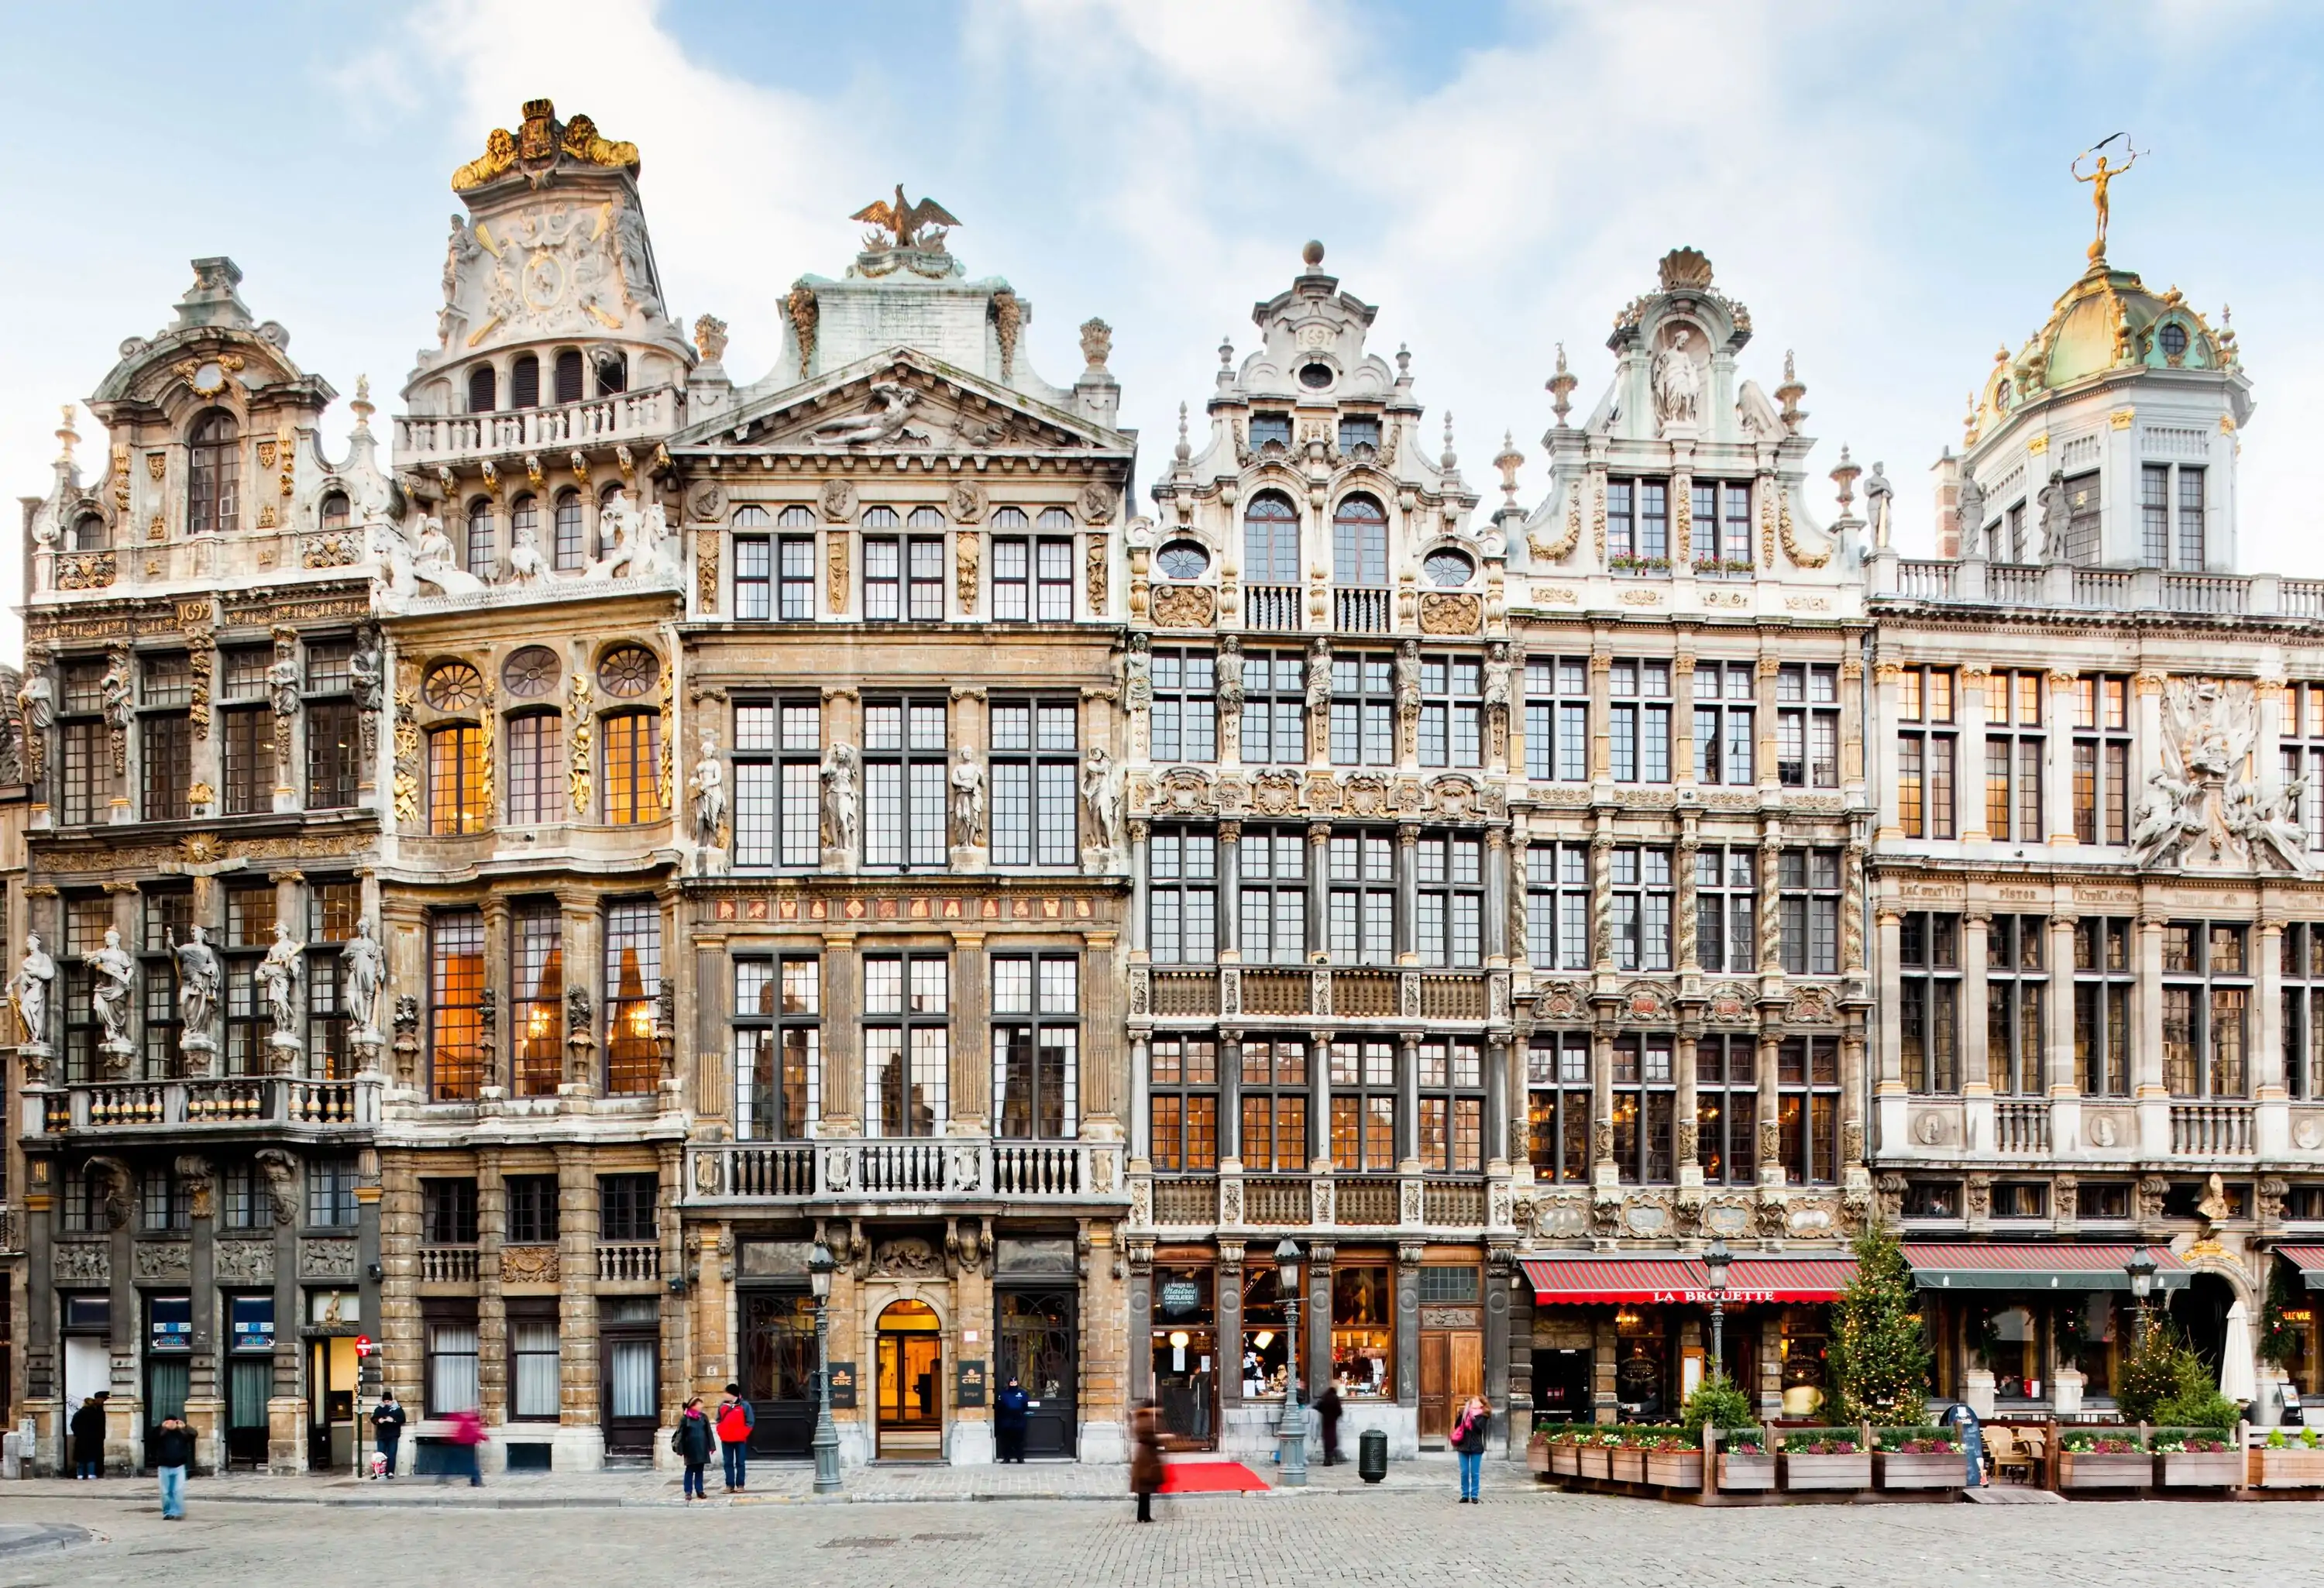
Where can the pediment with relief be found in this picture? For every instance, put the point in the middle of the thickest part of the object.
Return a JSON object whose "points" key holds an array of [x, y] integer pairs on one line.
{"points": [[903, 401]]}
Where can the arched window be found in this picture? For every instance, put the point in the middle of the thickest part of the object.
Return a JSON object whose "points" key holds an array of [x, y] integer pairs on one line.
{"points": [[88, 534], [572, 538], [568, 375], [535, 768], [455, 780], [1358, 542], [213, 472], [524, 383], [483, 389], [481, 550], [632, 741], [1270, 541], [613, 374], [335, 510]]}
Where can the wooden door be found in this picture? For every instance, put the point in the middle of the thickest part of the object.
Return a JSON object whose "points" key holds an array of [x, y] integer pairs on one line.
{"points": [[1466, 1351], [1435, 1372]]}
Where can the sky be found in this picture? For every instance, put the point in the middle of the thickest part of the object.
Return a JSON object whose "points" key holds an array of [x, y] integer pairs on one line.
{"points": [[1885, 186]]}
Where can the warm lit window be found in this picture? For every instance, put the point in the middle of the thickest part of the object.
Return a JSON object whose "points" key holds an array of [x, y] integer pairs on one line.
{"points": [[633, 989], [632, 741], [1182, 1132], [456, 986], [1275, 1106], [536, 997], [778, 1036]]}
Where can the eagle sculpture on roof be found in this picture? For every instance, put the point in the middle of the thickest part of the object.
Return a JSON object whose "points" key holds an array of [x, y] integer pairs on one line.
{"points": [[905, 226]]}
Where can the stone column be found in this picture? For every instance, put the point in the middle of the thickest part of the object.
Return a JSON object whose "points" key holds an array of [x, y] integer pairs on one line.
{"points": [[1141, 836], [204, 1402], [1319, 890], [972, 1103], [1978, 1124], [1601, 737], [578, 926], [1319, 1103], [1763, 704], [1683, 771], [2060, 1082], [1408, 1254], [2058, 760], [1229, 912], [1141, 1113], [1114, 1342], [1315, 1349], [1228, 1286], [1516, 1424], [1229, 1101], [491, 1308], [286, 1433], [1603, 1170], [1686, 1147], [2266, 1080], [578, 1376], [1408, 1103], [2147, 1085], [1517, 1334], [1497, 1105], [843, 1097], [1103, 1082], [1499, 949], [499, 1077], [1142, 1321], [714, 1081], [1407, 893]]}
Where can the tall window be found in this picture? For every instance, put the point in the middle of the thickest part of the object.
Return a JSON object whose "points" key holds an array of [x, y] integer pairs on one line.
{"points": [[1274, 708], [1451, 1126], [2303, 1010], [536, 996], [1727, 909], [535, 768], [572, 550], [1363, 1106], [2193, 554], [2015, 982], [1807, 1109], [250, 915], [2082, 520], [1184, 714], [87, 759], [778, 771], [1807, 726], [1727, 1109], [567, 375], [1032, 575], [534, 1394], [2102, 760], [906, 1019], [1557, 907], [1925, 752], [333, 906], [1035, 758], [774, 578], [334, 747], [1722, 527], [1642, 909], [166, 913], [1807, 901], [755, 556], [1645, 1102], [2207, 994], [1640, 719], [524, 381], [632, 742], [1363, 710], [1036, 1037], [87, 917], [1724, 745], [447, 1212], [904, 782], [777, 1047], [165, 744], [483, 550], [1451, 902], [1183, 896], [1271, 537], [1558, 719], [1557, 1106], [626, 1207], [2158, 545], [2013, 756], [1182, 1111], [903, 575], [331, 1192], [1275, 1106], [166, 1201], [451, 1382], [2105, 972], [1637, 525], [1273, 862], [1928, 1002], [482, 389], [455, 780], [213, 474], [633, 987], [246, 723], [1361, 900], [524, 523], [1451, 711], [2302, 747], [456, 986], [1358, 542]]}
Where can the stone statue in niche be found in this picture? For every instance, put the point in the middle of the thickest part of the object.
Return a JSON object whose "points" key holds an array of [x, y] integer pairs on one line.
{"points": [[839, 799], [708, 785], [278, 976], [1101, 791], [198, 988], [366, 975], [111, 968], [967, 799], [1677, 381], [31, 990]]}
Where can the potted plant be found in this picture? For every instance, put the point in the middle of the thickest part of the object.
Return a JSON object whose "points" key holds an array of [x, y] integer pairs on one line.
{"points": [[1537, 1451], [1745, 1462], [2199, 1458], [1628, 1458], [1920, 1458], [1596, 1454], [1826, 1458], [1565, 1453], [2104, 1458], [1719, 1404], [1673, 1461], [2290, 1460]]}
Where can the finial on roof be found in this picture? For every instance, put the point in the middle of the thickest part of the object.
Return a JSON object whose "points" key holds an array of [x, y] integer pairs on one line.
{"points": [[1184, 452], [1844, 474], [1312, 254], [1403, 362], [1561, 388], [1452, 459], [363, 406], [1789, 394], [67, 435], [1509, 463]]}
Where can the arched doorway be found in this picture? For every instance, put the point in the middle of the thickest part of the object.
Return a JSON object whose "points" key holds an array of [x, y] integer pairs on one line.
{"points": [[910, 1414], [2201, 1313]]}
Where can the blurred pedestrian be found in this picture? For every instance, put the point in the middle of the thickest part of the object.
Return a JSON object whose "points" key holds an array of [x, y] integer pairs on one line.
{"points": [[467, 1445], [1145, 1459], [1327, 1411], [173, 1453], [88, 1439], [1011, 1410]]}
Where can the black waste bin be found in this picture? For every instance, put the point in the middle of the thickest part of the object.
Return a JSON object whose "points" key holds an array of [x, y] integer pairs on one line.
{"points": [[1371, 1456]]}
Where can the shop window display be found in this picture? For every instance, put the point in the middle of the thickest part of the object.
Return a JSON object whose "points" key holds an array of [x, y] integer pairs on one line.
{"points": [[1266, 1347], [1363, 1343]]}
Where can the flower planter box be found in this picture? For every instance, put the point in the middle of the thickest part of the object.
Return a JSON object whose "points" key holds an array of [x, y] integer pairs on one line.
{"points": [[1594, 1460], [2290, 1469], [1565, 1461], [1934, 1469], [1629, 1466], [2088, 1470], [1675, 1469], [1537, 1456], [1746, 1471], [1802, 1473], [2202, 1469]]}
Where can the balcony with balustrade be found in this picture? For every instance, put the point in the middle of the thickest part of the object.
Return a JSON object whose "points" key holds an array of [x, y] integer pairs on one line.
{"points": [[634, 419], [1974, 581], [951, 1170], [279, 1106], [1258, 994], [1351, 1204]]}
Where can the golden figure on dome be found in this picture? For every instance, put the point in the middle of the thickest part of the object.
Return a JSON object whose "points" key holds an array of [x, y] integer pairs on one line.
{"points": [[2098, 179]]}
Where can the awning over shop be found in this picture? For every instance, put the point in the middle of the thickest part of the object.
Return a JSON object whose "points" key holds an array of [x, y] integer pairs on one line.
{"points": [[2309, 1260], [1586, 1278], [2001, 1266]]}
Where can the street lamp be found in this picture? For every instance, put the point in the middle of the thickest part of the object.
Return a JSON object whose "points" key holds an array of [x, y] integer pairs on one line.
{"points": [[1714, 1265], [1291, 1434], [819, 1266], [2141, 1270]]}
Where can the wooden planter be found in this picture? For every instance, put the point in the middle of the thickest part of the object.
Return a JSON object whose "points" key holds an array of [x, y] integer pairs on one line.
{"points": [[2086, 1470], [1939, 1469], [1629, 1466], [2288, 1469], [1565, 1461], [1675, 1469], [1537, 1454], [1746, 1471], [2203, 1468], [1594, 1459], [1802, 1473]]}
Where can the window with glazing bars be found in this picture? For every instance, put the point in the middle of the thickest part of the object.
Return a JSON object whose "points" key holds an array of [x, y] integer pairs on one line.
{"points": [[907, 1041], [1451, 711], [537, 785], [1639, 720], [524, 523], [1363, 710], [1721, 527], [1185, 715], [903, 575], [165, 742], [777, 1028], [532, 1209], [333, 905], [1928, 1004], [777, 760], [904, 782], [1558, 1106], [456, 986], [2207, 994], [1360, 897], [1558, 719], [1358, 542], [447, 1212], [1807, 1109], [250, 915], [1032, 576], [86, 756], [1642, 909], [1363, 1105], [2082, 520], [1645, 1102], [1452, 1124], [1036, 1037], [1926, 750], [633, 761], [1727, 909], [1274, 708], [1638, 524], [1727, 1109], [2303, 1010], [165, 1201], [754, 563], [795, 565], [1557, 907], [536, 997], [1035, 757], [334, 743], [1807, 902], [2016, 989], [1183, 1104], [626, 1209], [1449, 930], [455, 780], [572, 549], [1275, 1106], [1273, 862], [1725, 748], [2013, 757], [213, 474], [1270, 531], [632, 986], [1182, 869], [2102, 760], [331, 1192], [1807, 726], [167, 912], [87, 917], [2302, 744], [2105, 973]]}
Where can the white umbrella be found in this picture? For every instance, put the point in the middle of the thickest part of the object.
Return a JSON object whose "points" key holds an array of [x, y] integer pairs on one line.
{"points": [[2236, 1381]]}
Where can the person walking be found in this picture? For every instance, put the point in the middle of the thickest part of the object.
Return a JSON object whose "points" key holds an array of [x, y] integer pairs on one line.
{"points": [[468, 1439], [1327, 1410], [1469, 1436], [88, 1439], [694, 1439], [735, 1421], [1145, 1459], [173, 1453], [387, 1431], [1010, 1412]]}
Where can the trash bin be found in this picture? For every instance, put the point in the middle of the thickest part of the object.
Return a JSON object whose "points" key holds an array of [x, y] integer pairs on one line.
{"points": [[1371, 1456]]}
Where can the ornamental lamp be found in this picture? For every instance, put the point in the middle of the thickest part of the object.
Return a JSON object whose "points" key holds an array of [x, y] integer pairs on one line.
{"points": [[819, 1266], [2141, 1270], [1286, 1265], [1715, 1259]]}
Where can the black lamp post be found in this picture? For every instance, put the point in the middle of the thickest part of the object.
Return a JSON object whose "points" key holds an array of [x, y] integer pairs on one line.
{"points": [[819, 1266], [2141, 1270], [1715, 1258], [1291, 1434]]}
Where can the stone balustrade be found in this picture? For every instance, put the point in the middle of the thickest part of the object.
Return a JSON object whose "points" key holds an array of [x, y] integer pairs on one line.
{"points": [[220, 1101], [950, 1168]]}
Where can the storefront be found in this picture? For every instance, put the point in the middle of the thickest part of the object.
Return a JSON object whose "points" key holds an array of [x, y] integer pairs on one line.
{"points": [[249, 1377], [2030, 1329], [169, 1358], [1185, 1348], [2299, 1314]]}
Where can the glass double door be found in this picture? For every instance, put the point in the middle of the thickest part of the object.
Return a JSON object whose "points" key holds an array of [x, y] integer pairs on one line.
{"points": [[778, 1371], [1038, 1339], [910, 1383]]}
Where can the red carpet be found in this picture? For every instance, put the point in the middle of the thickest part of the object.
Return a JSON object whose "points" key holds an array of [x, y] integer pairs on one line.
{"points": [[1208, 1477]]}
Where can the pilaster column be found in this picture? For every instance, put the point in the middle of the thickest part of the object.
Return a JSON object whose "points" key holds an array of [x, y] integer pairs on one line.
{"points": [[1968, 765], [1977, 1075], [1141, 836], [2267, 1076], [1499, 950], [842, 1038], [1227, 1288], [1686, 1147], [1683, 771], [1231, 1100], [1497, 1105], [492, 1309], [2058, 759], [1407, 893], [2149, 1084], [1891, 820], [1407, 1103], [1603, 1170], [1690, 845], [1601, 737], [2058, 1066], [1102, 1080], [1230, 915], [499, 1065], [971, 1109], [1319, 892], [1771, 1137]]}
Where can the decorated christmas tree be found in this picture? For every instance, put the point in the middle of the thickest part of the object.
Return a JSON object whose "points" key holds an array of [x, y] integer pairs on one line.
{"points": [[1878, 1356]]}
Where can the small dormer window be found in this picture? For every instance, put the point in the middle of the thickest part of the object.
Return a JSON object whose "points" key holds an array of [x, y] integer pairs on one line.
{"points": [[524, 383], [1184, 560], [335, 510], [87, 534], [1360, 429], [482, 389], [568, 375], [1315, 377], [1266, 428], [1448, 567], [2173, 339]]}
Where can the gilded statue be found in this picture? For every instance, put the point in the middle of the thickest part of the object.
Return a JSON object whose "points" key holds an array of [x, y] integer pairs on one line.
{"points": [[906, 226], [2098, 177]]}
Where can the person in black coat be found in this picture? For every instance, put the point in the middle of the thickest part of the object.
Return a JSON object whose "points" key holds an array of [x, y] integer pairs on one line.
{"points": [[387, 1429], [1327, 1411], [88, 1439], [173, 1453], [695, 1443], [1010, 1412]]}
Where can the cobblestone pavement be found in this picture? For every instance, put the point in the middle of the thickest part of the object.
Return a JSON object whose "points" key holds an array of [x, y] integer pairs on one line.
{"points": [[1398, 1537]]}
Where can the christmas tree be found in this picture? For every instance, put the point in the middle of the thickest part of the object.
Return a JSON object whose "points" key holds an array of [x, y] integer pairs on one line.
{"points": [[1878, 1356]]}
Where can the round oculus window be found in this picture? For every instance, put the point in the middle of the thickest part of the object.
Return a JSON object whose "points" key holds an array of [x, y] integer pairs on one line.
{"points": [[455, 686], [1184, 560], [1315, 377], [530, 673], [2173, 338], [1448, 567], [628, 671]]}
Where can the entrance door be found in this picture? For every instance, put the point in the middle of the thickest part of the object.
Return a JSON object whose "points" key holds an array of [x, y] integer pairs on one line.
{"points": [[778, 1371], [166, 1382], [1560, 1385], [249, 1383], [911, 1383], [1186, 1387], [632, 1369], [330, 1404], [1452, 1369], [1038, 1340]]}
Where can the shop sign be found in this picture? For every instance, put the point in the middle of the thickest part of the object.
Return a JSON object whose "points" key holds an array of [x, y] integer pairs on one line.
{"points": [[970, 1385], [842, 1386], [1181, 1296], [254, 1323], [170, 1323], [1726, 1297]]}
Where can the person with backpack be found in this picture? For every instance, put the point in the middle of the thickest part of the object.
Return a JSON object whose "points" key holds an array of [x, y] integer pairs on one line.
{"points": [[735, 1421], [1469, 1436], [87, 1427], [694, 1439]]}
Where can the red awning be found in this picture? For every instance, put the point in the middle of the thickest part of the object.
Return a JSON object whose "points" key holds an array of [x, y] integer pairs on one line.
{"points": [[1652, 1280], [1970, 1265], [2309, 1260]]}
